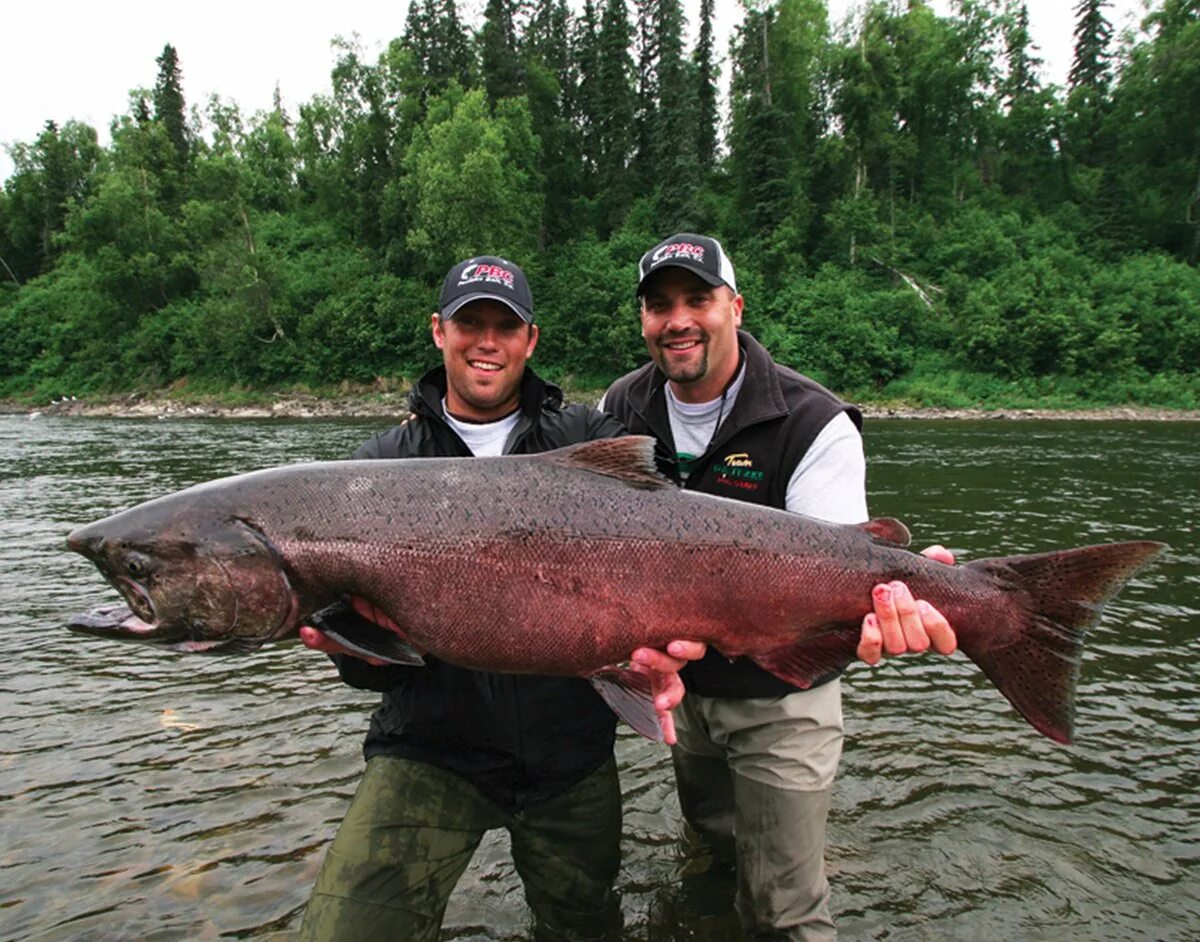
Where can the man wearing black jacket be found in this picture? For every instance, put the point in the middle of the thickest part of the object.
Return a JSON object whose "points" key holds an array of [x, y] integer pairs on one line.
{"points": [[452, 753]]}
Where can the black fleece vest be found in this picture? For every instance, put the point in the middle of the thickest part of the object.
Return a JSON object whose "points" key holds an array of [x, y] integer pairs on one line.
{"points": [[777, 416]]}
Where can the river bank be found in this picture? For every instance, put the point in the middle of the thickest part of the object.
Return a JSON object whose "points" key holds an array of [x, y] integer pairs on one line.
{"points": [[395, 404]]}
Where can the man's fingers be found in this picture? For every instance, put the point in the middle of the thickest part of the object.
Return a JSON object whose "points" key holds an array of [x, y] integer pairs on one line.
{"points": [[938, 553], [675, 658], [941, 635], [668, 690], [319, 641], [652, 659], [666, 722], [687, 650], [915, 638], [889, 620], [870, 642], [311, 638]]}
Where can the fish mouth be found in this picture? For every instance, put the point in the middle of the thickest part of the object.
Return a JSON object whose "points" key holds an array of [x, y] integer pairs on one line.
{"points": [[115, 621]]}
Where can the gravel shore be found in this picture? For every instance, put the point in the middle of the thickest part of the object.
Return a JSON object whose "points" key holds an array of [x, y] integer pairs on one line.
{"points": [[379, 405]]}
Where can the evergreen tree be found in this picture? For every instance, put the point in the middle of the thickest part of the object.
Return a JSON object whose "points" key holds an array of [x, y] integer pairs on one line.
{"points": [[499, 58], [583, 108], [675, 166], [707, 118], [616, 101], [759, 159], [645, 56], [1018, 53], [1028, 114], [169, 104], [1093, 33], [433, 52], [418, 35], [550, 82], [1087, 148], [450, 57]]}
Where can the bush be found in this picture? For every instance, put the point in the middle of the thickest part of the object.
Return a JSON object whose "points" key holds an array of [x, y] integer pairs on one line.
{"points": [[842, 328]]}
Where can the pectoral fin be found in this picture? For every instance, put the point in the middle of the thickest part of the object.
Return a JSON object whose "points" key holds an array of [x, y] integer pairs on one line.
{"points": [[817, 655], [629, 694], [363, 637]]}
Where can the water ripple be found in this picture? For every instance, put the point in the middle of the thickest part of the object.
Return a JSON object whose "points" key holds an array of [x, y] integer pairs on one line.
{"points": [[149, 796]]}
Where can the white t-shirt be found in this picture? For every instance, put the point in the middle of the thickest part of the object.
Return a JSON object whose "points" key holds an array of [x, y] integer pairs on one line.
{"points": [[485, 439], [830, 483]]}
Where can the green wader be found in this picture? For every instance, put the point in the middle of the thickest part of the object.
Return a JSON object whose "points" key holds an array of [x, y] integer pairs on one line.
{"points": [[411, 831]]}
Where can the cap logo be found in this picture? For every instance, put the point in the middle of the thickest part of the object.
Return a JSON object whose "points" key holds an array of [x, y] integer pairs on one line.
{"points": [[490, 273], [684, 250]]}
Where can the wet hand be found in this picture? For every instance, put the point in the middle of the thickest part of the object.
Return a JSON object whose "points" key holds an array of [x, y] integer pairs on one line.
{"points": [[662, 667], [901, 624]]}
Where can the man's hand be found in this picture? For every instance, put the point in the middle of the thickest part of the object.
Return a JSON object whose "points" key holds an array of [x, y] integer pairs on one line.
{"points": [[319, 641], [663, 669], [901, 624]]}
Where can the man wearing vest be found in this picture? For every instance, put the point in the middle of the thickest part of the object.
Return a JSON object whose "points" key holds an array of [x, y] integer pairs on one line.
{"points": [[756, 757], [451, 752]]}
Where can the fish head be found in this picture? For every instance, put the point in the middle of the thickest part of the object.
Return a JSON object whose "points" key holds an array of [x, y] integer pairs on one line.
{"points": [[192, 581]]}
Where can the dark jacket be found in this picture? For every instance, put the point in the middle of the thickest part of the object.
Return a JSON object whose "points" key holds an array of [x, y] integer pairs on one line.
{"points": [[777, 416], [521, 739]]}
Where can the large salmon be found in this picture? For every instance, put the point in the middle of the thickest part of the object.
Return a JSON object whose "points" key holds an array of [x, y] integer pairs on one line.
{"points": [[565, 562]]}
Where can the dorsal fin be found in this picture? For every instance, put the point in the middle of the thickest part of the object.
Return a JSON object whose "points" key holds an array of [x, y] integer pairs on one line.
{"points": [[886, 530], [629, 459]]}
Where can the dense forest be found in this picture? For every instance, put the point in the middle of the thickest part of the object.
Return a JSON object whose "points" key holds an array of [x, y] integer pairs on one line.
{"points": [[913, 211]]}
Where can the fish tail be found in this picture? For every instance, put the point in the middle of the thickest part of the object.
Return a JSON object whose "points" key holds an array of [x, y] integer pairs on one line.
{"points": [[1056, 597]]}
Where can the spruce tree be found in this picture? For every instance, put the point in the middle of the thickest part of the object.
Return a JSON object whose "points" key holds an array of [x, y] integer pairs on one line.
{"points": [[584, 106], [615, 107], [450, 55], [550, 84], [1093, 34], [704, 60], [674, 167], [169, 104], [499, 58], [1026, 114]]}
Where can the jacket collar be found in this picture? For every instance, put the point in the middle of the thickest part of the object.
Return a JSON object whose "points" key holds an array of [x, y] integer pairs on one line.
{"points": [[425, 397], [761, 397]]}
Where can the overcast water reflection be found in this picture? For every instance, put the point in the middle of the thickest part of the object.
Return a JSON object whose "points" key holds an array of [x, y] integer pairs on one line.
{"points": [[152, 796]]}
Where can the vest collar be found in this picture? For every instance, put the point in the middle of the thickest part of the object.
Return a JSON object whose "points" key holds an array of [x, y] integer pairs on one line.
{"points": [[760, 400]]}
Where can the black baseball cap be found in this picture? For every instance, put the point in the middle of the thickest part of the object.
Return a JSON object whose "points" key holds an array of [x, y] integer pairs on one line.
{"points": [[486, 276], [698, 254]]}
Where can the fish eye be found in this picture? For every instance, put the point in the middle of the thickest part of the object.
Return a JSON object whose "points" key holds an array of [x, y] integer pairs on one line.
{"points": [[137, 565]]}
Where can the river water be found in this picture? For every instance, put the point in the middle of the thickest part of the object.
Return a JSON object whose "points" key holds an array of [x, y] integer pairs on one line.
{"points": [[148, 795]]}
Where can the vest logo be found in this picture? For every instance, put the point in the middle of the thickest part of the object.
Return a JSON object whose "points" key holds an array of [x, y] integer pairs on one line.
{"points": [[737, 470]]}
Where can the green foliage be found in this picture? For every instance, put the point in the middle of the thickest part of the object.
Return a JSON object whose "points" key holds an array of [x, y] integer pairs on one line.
{"points": [[841, 327], [471, 182], [912, 212], [583, 296]]}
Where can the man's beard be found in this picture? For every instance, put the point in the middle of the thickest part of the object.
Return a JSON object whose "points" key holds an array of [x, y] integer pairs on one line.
{"points": [[684, 372]]}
